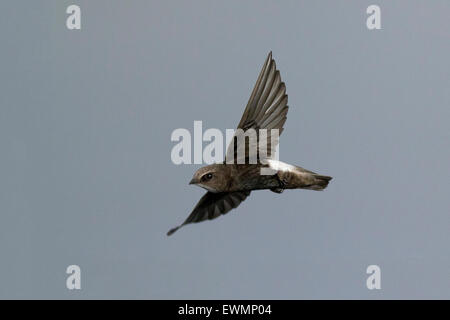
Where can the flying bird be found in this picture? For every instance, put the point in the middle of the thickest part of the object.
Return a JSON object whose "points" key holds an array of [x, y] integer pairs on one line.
{"points": [[231, 182]]}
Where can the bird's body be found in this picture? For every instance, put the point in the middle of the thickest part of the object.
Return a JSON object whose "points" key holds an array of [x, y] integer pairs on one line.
{"points": [[230, 183], [248, 177]]}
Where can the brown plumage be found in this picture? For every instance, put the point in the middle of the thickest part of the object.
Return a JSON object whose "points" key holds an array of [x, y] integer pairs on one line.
{"points": [[230, 183]]}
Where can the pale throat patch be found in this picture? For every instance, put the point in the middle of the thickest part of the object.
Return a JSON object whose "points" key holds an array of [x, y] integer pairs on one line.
{"points": [[207, 187]]}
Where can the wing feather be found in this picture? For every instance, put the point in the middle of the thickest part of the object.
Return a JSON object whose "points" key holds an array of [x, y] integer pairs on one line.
{"points": [[212, 205], [266, 109]]}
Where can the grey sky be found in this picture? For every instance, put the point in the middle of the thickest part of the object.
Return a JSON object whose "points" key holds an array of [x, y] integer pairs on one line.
{"points": [[85, 171]]}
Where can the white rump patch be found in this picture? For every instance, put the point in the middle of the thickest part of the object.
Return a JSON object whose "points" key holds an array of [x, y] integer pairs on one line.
{"points": [[279, 166]]}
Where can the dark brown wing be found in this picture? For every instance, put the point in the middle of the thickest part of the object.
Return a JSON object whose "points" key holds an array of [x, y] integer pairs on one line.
{"points": [[266, 109], [212, 205]]}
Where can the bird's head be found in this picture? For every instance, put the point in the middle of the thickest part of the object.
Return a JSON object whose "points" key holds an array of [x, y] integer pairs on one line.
{"points": [[212, 178]]}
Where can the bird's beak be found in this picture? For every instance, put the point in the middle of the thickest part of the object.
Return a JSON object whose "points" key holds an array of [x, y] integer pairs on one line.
{"points": [[193, 181]]}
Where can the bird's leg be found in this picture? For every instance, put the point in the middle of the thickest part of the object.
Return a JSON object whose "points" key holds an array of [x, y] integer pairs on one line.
{"points": [[282, 185]]}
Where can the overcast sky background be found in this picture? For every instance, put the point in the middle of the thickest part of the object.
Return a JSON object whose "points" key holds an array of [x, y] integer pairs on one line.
{"points": [[85, 170]]}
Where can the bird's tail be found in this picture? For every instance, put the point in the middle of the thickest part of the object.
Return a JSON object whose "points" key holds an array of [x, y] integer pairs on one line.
{"points": [[319, 182]]}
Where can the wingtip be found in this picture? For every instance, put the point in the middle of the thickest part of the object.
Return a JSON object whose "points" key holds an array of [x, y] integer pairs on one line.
{"points": [[172, 231], [269, 57]]}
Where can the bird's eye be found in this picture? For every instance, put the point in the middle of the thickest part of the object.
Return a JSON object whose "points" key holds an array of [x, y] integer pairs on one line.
{"points": [[207, 177]]}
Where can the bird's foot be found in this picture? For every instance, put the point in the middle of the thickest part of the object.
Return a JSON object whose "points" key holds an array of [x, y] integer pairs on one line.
{"points": [[282, 186]]}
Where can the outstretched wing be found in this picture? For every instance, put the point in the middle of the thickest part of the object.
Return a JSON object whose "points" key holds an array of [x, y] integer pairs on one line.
{"points": [[266, 109], [212, 205]]}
